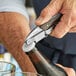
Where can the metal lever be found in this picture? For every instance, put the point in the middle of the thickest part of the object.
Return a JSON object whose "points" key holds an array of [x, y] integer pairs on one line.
{"points": [[52, 22]]}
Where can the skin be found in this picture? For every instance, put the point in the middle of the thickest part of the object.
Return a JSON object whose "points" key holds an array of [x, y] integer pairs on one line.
{"points": [[68, 20], [69, 71], [14, 28], [66, 24]]}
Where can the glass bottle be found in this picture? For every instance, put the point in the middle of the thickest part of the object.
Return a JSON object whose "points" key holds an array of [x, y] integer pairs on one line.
{"points": [[43, 66]]}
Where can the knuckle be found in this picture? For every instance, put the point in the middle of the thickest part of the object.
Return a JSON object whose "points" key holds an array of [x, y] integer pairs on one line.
{"points": [[46, 11], [43, 12]]}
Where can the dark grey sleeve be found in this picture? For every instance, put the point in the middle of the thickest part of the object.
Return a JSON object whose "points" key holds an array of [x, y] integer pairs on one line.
{"points": [[39, 5]]}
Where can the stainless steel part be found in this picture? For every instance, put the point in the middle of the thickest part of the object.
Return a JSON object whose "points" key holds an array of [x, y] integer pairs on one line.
{"points": [[40, 33]]}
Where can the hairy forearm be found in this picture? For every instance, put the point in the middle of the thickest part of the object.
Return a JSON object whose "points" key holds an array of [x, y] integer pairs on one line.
{"points": [[13, 30]]}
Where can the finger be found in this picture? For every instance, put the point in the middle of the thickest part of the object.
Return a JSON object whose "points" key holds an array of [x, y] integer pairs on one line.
{"points": [[60, 66], [51, 9], [68, 70], [63, 26]]}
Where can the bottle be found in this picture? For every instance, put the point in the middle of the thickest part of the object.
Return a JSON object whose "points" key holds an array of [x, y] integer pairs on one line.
{"points": [[43, 66]]}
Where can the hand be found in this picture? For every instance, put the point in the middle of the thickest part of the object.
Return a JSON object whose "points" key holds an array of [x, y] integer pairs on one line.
{"points": [[69, 71], [68, 20]]}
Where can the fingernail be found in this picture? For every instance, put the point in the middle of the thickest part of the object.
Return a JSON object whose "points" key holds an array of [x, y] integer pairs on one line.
{"points": [[39, 20], [52, 34]]}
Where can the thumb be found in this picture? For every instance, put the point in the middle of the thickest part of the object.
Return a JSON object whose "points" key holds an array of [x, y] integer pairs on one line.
{"points": [[51, 9]]}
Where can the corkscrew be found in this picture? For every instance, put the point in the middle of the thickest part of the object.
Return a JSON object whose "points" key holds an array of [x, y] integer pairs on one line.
{"points": [[37, 34]]}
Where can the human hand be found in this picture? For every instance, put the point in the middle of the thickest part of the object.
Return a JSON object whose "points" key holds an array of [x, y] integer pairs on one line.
{"points": [[68, 20], [69, 71]]}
